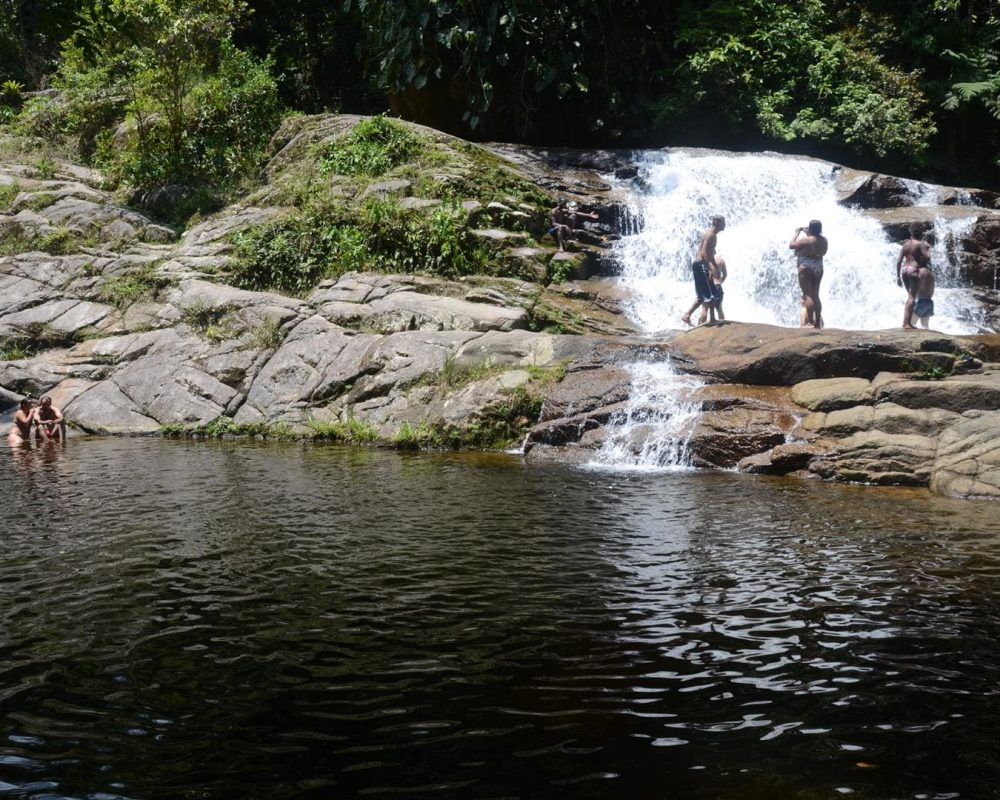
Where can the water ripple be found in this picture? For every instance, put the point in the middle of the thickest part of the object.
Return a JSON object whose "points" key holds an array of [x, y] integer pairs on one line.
{"points": [[230, 620]]}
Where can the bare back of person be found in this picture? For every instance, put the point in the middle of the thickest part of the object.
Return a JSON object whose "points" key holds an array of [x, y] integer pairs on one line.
{"points": [[913, 270], [914, 254]]}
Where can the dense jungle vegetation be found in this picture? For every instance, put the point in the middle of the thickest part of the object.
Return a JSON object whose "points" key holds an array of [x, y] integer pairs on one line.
{"points": [[160, 92]]}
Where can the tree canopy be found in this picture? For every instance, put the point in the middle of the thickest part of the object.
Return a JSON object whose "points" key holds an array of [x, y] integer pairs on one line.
{"points": [[890, 84]]}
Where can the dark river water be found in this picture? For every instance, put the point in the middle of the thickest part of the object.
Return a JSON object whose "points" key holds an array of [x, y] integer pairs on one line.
{"points": [[233, 620]]}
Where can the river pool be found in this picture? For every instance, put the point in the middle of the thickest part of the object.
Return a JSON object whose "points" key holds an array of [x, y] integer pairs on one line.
{"points": [[238, 620]]}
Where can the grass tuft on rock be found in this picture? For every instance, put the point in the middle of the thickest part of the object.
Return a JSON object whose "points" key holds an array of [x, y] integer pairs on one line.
{"points": [[137, 285]]}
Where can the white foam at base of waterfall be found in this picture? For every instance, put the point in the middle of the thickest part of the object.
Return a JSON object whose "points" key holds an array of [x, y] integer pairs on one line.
{"points": [[764, 198], [652, 431]]}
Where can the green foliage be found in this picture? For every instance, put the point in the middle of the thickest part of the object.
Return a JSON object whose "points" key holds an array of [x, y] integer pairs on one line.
{"points": [[45, 168], [372, 148], [548, 375], [560, 270], [226, 427], [8, 193], [57, 242], [294, 254], [351, 431], [501, 425], [205, 318], [417, 437], [15, 349], [268, 335], [784, 69], [454, 376], [518, 62], [11, 92], [192, 108], [980, 79], [141, 284]]}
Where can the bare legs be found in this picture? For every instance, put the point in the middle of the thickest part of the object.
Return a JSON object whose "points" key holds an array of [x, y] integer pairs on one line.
{"points": [[812, 306]]}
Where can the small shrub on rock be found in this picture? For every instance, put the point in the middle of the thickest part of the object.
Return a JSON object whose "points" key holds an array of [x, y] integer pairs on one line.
{"points": [[372, 148]]}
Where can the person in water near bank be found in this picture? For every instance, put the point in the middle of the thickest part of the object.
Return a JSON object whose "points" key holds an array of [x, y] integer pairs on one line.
{"points": [[49, 422], [809, 251], [914, 255], [702, 269], [923, 305], [20, 431], [563, 220]]}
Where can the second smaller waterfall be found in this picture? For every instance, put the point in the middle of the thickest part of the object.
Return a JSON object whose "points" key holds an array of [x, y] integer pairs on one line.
{"points": [[652, 430]]}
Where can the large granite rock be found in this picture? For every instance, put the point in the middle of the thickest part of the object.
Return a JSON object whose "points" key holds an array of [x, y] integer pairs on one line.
{"points": [[767, 355]]}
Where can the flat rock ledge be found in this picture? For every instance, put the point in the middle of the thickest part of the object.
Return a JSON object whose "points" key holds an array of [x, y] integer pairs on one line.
{"points": [[885, 407]]}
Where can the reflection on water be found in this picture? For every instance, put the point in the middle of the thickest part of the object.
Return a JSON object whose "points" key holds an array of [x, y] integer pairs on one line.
{"points": [[231, 620]]}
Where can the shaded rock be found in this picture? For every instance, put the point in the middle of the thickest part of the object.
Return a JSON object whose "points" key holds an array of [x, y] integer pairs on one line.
{"points": [[585, 390], [724, 438], [782, 459], [737, 422], [870, 190]]}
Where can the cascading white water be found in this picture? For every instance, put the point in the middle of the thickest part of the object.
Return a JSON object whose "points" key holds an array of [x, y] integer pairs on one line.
{"points": [[764, 198], [652, 431]]}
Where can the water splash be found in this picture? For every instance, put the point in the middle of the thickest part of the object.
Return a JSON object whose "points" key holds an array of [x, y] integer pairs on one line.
{"points": [[653, 429], [764, 198]]}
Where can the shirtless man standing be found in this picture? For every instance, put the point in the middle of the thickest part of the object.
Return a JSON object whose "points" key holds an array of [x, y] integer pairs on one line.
{"points": [[20, 431], [49, 422], [703, 268], [809, 251], [914, 255]]}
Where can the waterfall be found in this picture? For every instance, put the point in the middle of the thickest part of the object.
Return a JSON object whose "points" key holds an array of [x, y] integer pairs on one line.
{"points": [[652, 430], [764, 198]]}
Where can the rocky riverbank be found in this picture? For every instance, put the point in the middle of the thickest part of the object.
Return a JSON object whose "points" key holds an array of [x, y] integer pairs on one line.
{"points": [[137, 328]]}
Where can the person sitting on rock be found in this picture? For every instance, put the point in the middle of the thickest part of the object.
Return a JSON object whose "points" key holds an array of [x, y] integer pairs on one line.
{"points": [[49, 422], [564, 219], [923, 305], [20, 431]]}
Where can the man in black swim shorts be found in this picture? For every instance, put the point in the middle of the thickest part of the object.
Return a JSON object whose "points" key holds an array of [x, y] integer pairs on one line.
{"points": [[703, 268]]}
